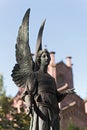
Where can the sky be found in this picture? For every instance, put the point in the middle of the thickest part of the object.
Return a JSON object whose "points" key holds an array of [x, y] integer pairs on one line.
{"points": [[65, 33]]}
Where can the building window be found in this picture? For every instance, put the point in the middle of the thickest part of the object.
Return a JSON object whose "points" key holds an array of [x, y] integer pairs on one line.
{"points": [[60, 79]]}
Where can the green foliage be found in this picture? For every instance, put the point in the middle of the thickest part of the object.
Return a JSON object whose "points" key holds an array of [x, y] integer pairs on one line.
{"points": [[9, 118], [72, 127], [1, 84], [20, 121]]}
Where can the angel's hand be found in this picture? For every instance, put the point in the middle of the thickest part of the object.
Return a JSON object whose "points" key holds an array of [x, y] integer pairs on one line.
{"points": [[29, 111], [70, 91]]}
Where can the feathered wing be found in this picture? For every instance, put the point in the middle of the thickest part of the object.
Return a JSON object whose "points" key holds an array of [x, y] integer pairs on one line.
{"points": [[39, 38], [39, 44], [24, 65]]}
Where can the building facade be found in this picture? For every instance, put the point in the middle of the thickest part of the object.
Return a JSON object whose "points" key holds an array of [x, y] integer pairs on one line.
{"points": [[73, 109]]}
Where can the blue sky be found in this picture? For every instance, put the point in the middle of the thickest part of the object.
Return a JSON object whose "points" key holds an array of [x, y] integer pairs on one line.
{"points": [[65, 33]]}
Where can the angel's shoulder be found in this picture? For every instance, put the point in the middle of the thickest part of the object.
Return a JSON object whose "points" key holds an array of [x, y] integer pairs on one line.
{"points": [[33, 76]]}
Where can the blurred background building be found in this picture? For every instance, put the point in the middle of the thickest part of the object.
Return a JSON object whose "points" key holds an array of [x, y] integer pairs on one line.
{"points": [[73, 109]]}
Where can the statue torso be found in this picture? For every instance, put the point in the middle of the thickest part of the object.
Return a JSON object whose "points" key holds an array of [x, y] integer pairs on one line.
{"points": [[46, 89]]}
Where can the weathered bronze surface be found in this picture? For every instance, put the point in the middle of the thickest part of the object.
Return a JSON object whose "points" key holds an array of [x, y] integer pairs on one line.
{"points": [[40, 93]]}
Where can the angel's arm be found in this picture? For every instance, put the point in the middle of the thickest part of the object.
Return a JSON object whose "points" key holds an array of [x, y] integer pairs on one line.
{"points": [[29, 92], [61, 96]]}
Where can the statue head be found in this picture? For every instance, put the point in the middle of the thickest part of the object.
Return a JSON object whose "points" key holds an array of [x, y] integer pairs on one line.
{"points": [[43, 57]]}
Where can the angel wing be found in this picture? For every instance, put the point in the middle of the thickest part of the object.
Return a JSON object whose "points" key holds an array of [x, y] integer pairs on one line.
{"points": [[24, 66], [39, 38], [39, 44]]}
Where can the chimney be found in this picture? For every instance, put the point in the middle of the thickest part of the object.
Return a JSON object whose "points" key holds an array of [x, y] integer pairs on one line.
{"points": [[86, 106], [52, 65], [52, 55], [68, 61]]}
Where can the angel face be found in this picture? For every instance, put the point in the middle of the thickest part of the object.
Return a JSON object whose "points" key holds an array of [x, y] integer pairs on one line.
{"points": [[44, 58]]}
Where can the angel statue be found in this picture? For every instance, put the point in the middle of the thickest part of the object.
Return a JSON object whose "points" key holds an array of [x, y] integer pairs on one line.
{"points": [[40, 93]]}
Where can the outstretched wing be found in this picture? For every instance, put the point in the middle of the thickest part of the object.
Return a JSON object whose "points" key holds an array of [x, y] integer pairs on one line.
{"points": [[39, 38], [39, 43], [24, 59]]}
